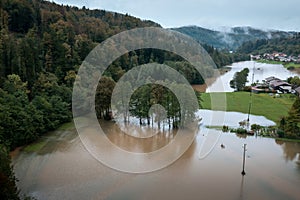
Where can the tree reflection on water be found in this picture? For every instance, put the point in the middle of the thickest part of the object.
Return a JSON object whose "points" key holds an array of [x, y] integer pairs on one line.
{"points": [[291, 151]]}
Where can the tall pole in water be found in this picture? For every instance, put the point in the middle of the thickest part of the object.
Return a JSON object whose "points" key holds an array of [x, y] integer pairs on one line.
{"points": [[243, 172]]}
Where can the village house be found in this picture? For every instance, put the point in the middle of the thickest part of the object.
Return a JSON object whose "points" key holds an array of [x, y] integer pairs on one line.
{"points": [[255, 57], [268, 56], [281, 86], [282, 57], [271, 78]]}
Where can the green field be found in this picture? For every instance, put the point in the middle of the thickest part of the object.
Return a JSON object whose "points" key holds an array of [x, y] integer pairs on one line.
{"points": [[289, 65], [262, 104]]}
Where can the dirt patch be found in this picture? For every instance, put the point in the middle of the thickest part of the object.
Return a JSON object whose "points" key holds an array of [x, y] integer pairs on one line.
{"points": [[15, 152], [296, 70]]}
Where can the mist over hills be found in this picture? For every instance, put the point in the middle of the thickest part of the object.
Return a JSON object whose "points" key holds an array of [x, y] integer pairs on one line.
{"points": [[230, 38]]}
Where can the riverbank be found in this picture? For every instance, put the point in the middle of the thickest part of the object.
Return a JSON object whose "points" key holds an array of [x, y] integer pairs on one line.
{"points": [[210, 81], [41, 142], [294, 67], [262, 104]]}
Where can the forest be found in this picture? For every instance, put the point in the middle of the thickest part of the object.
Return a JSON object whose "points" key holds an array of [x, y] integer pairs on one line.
{"points": [[290, 46]]}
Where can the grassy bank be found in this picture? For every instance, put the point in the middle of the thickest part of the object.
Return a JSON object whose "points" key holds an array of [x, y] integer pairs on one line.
{"points": [[35, 147], [262, 104], [288, 140], [290, 65], [66, 126], [41, 142]]}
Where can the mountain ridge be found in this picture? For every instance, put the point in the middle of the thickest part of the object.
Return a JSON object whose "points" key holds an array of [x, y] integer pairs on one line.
{"points": [[231, 38]]}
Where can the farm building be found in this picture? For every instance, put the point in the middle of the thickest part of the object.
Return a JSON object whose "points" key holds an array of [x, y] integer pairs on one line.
{"points": [[281, 86], [272, 78]]}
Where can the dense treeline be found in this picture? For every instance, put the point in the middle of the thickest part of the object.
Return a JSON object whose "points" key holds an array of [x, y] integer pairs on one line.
{"points": [[38, 36], [223, 58], [8, 189], [144, 56], [290, 125], [24, 120], [290, 46]]}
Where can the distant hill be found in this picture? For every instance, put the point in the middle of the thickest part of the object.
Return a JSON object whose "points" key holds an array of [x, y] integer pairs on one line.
{"points": [[289, 45], [231, 38]]}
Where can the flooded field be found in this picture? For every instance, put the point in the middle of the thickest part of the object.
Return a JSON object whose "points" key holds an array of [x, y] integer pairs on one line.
{"points": [[64, 169]]}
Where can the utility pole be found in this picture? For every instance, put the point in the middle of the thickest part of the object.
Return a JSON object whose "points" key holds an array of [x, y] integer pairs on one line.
{"points": [[250, 102], [243, 172]]}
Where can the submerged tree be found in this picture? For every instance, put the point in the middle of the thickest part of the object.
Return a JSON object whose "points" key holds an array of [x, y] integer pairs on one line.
{"points": [[154, 102], [103, 97]]}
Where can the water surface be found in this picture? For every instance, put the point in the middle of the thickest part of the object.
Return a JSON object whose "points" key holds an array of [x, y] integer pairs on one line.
{"points": [[63, 169]]}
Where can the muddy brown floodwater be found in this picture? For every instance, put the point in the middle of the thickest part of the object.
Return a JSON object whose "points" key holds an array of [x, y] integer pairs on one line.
{"points": [[63, 169]]}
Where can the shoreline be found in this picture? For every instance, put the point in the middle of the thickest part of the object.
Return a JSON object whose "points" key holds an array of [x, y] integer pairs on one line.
{"points": [[295, 67], [35, 146], [202, 87], [230, 131]]}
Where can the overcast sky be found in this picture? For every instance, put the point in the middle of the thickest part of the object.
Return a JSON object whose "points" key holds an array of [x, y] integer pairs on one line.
{"points": [[266, 14]]}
